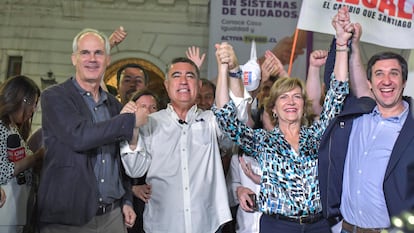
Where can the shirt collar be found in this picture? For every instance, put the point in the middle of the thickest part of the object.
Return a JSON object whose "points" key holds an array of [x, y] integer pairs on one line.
{"points": [[102, 94], [396, 119], [191, 114]]}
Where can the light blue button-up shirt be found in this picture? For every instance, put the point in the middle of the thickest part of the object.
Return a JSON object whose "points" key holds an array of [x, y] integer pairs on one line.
{"points": [[371, 142]]}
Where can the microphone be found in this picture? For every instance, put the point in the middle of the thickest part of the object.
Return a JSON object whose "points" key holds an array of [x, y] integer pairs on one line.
{"points": [[181, 122], [16, 152]]}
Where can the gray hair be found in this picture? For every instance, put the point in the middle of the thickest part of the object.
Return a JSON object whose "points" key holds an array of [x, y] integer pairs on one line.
{"points": [[92, 31], [184, 60]]}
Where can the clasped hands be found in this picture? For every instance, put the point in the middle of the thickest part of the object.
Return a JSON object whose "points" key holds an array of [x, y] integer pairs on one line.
{"points": [[343, 26], [225, 55], [141, 113]]}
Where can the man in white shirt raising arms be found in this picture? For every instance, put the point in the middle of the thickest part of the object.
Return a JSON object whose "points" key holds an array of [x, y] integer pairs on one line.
{"points": [[179, 148]]}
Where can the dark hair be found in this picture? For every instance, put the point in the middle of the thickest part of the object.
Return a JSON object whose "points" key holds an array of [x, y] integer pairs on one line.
{"points": [[13, 93], [184, 60], [385, 56], [131, 65], [144, 92], [206, 82]]}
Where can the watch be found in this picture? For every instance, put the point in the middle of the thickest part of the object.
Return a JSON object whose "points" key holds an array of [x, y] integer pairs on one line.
{"points": [[238, 74]]}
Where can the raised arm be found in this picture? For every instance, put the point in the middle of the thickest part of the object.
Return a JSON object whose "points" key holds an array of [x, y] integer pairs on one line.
{"points": [[357, 75], [344, 30], [222, 94], [313, 83], [228, 65]]}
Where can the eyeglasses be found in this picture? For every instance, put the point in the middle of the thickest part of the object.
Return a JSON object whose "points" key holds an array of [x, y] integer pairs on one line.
{"points": [[86, 53]]}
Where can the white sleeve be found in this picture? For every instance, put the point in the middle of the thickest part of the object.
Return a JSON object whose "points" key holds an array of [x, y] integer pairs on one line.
{"points": [[235, 176], [136, 162], [241, 105]]}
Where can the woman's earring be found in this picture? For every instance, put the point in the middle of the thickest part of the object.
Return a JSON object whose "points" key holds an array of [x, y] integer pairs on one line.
{"points": [[274, 115]]}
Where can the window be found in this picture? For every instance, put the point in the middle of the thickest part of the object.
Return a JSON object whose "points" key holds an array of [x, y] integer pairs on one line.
{"points": [[14, 66]]}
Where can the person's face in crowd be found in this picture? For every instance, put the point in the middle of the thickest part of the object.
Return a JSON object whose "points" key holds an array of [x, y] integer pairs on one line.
{"points": [[182, 84], [387, 83], [26, 111], [265, 90], [132, 80], [148, 102], [205, 98], [91, 59], [289, 106]]}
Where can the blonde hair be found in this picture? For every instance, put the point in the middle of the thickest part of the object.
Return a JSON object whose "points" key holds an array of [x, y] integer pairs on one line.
{"points": [[283, 85]]}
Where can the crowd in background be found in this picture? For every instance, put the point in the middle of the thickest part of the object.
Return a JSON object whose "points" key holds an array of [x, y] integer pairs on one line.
{"points": [[251, 150]]}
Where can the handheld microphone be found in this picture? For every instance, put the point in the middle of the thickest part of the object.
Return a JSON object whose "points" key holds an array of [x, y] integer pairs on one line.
{"points": [[16, 152]]}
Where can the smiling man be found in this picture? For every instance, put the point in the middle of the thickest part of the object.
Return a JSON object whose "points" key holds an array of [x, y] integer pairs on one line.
{"points": [[367, 151], [179, 147], [83, 187]]}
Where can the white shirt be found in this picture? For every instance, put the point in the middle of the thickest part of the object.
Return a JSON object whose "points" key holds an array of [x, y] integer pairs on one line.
{"points": [[185, 170], [14, 212], [247, 222]]}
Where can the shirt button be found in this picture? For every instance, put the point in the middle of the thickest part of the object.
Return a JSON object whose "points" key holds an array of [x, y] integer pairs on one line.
{"points": [[95, 108], [103, 160], [102, 180], [360, 171]]}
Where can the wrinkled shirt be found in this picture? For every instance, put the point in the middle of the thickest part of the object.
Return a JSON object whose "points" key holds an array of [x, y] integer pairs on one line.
{"points": [[184, 167], [289, 184]]}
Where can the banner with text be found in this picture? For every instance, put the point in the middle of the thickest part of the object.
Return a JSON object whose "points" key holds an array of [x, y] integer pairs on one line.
{"points": [[388, 23], [240, 21]]}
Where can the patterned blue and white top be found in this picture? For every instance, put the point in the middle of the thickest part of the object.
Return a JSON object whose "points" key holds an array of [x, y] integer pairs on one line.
{"points": [[289, 185]]}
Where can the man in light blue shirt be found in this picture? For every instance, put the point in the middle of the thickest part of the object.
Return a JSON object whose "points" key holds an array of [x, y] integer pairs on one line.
{"points": [[366, 162]]}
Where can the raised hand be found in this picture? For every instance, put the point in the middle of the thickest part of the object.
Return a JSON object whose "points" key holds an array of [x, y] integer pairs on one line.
{"points": [[318, 58], [343, 26], [193, 53], [117, 36], [271, 66], [226, 55]]}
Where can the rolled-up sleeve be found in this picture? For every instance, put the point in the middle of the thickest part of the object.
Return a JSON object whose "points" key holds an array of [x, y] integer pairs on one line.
{"points": [[136, 162], [241, 105]]}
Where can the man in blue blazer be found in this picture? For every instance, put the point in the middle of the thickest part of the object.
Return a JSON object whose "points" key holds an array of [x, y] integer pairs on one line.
{"points": [[366, 157], [83, 187]]}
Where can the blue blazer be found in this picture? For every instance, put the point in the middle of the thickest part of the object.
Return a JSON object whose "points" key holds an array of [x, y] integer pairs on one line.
{"points": [[399, 178], [68, 193]]}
